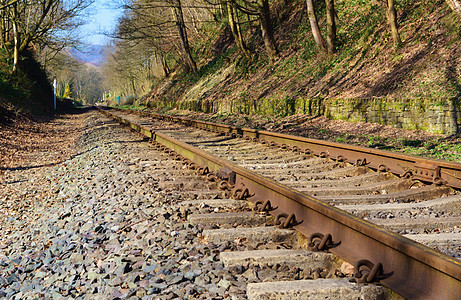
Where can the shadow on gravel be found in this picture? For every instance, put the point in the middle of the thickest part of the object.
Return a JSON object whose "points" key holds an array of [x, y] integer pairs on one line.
{"points": [[48, 165], [6, 116], [71, 157], [10, 118], [128, 142], [70, 110], [217, 141], [13, 182]]}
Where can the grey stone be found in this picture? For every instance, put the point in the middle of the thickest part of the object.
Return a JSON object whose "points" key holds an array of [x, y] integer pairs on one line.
{"points": [[165, 271], [93, 275], [40, 274], [12, 278], [149, 269], [266, 274], [190, 276], [313, 289], [123, 269], [224, 284], [250, 275], [116, 281], [156, 289]]}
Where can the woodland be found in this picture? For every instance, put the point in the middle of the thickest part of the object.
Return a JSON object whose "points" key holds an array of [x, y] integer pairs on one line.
{"points": [[35, 42], [165, 52], [192, 40]]}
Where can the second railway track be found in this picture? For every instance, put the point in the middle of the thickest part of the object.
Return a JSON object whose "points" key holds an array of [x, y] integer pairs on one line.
{"points": [[404, 198]]}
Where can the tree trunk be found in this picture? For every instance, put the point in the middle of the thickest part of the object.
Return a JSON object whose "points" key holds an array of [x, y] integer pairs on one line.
{"points": [[16, 40], [235, 28], [267, 30], [4, 29], [315, 26], [221, 9], [239, 31], [455, 5], [179, 20], [392, 19], [331, 26], [133, 86], [336, 17], [166, 69], [16, 49]]}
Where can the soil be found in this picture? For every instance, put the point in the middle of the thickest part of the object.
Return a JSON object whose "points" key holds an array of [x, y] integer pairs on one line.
{"points": [[26, 143]]}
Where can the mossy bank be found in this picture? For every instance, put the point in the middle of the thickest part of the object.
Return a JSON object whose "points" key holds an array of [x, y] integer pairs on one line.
{"points": [[416, 85]]}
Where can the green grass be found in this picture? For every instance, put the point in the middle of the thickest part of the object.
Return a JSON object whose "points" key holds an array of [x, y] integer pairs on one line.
{"points": [[441, 150]]}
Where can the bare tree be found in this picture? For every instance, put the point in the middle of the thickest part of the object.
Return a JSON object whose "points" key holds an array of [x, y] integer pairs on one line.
{"points": [[26, 23], [455, 5], [331, 26], [331, 20], [261, 9], [234, 24], [178, 17], [267, 29], [160, 25], [315, 26], [5, 5], [392, 20]]}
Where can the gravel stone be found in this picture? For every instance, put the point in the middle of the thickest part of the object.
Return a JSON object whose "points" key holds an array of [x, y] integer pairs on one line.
{"points": [[97, 225], [107, 222]]}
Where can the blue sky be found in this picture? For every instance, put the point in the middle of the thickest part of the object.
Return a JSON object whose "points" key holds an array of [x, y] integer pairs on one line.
{"points": [[102, 17]]}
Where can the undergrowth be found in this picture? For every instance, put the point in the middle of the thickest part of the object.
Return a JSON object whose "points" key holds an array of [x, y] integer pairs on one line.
{"points": [[436, 149], [364, 47], [12, 86], [25, 91]]}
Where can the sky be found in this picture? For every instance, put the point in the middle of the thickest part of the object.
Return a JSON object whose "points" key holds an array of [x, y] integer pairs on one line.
{"points": [[102, 17]]}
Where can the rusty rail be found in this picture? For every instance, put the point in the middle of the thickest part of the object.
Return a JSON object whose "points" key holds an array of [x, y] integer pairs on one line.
{"points": [[427, 170], [408, 268]]}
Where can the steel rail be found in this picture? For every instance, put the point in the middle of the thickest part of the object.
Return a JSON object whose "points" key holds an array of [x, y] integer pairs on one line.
{"points": [[427, 170], [411, 269]]}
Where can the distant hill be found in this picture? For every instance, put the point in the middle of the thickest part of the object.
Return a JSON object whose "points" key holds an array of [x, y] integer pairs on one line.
{"points": [[92, 54]]}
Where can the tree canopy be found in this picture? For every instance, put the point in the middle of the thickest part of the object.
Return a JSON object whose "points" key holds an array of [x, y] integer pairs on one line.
{"points": [[38, 24]]}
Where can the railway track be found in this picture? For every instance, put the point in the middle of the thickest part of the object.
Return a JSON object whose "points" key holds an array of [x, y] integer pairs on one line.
{"points": [[372, 208]]}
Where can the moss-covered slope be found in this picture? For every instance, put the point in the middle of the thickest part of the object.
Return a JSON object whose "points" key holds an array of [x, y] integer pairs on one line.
{"points": [[366, 65]]}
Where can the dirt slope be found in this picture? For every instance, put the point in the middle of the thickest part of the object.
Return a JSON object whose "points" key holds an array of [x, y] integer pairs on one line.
{"points": [[366, 66]]}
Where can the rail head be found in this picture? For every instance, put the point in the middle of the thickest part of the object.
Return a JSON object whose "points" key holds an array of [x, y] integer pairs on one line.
{"points": [[419, 168], [412, 269]]}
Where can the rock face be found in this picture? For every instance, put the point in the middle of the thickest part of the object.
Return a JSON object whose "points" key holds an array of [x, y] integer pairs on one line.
{"points": [[441, 116]]}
